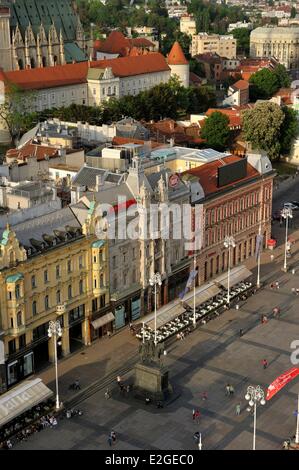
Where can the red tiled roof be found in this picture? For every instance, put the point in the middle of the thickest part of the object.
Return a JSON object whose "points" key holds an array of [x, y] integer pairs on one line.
{"points": [[176, 55], [207, 174], [195, 79], [141, 42], [71, 74], [114, 43], [241, 85], [32, 150], [233, 115], [97, 44]]}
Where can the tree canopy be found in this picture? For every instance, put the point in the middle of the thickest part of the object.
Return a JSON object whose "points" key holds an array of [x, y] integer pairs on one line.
{"points": [[270, 128], [242, 35], [264, 84], [216, 131]]}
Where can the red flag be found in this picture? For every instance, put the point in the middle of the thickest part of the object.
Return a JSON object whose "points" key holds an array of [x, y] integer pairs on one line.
{"points": [[281, 381]]}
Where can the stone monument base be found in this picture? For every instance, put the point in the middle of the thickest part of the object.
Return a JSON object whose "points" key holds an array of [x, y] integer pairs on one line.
{"points": [[152, 382]]}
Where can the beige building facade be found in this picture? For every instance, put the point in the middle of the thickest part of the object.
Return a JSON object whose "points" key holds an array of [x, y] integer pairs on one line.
{"points": [[203, 43], [279, 42]]}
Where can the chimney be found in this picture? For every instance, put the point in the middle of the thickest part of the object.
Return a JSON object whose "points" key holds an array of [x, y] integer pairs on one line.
{"points": [[100, 181]]}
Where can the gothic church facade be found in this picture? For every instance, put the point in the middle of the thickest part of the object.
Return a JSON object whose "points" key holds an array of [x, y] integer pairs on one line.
{"points": [[40, 33]]}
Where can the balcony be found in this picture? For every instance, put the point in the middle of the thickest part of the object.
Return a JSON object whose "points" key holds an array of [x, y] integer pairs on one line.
{"points": [[19, 330]]}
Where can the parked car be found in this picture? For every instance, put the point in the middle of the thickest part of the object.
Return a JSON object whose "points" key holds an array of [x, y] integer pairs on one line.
{"points": [[296, 203]]}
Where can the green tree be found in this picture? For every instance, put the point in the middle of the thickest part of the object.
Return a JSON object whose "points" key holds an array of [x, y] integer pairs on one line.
{"points": [[293, 12], [216, 131], [262, 127], [264, 84], [201, 99], [12, 111], [242, 35], [288, 130], [283, 78]]}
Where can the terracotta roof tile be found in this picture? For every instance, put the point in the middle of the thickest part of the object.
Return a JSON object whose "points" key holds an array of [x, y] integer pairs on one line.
{"points": [[127, 140], [241, 85], [32, 150], [207, 174], [176, 55], [71, 74]]}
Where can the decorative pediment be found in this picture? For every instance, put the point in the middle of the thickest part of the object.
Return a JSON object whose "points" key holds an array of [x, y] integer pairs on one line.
{"points": [[42, 36], [17, 40], [108, 74], [53, 36], [10, 250], [29, 36]]}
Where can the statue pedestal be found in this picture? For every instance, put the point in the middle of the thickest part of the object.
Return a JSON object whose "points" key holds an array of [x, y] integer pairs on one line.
{"points": [[151, 382]]}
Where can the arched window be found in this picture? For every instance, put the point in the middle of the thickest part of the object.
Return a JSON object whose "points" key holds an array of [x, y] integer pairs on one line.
{"points": [[21, 64], [44, 61], [32, 63], [46, 302], [55, 58]]}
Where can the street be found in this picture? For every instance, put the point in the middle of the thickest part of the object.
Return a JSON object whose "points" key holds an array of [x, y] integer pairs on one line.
{"points": [[205, 361]]}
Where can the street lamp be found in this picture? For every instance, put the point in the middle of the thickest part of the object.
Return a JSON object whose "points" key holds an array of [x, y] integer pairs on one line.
{"points": [[55, 331], [254, 396], [287, 214], [229, 242], [154, 281]]}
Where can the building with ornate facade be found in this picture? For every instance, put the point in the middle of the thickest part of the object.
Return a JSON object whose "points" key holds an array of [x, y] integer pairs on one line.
{"points": [[51, 268], [40, 34], [279, 42]]}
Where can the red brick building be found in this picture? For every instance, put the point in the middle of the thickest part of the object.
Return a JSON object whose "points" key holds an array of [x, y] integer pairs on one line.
{"points": [[237, 208]]}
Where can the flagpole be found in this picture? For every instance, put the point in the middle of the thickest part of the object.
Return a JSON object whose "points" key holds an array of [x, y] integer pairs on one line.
{"points": [[297, 427], [258, 283], [194, 303]]}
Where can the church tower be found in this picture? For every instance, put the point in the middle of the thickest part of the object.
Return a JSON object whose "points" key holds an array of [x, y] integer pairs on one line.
{"points": [[5, 41], [178, 64]]}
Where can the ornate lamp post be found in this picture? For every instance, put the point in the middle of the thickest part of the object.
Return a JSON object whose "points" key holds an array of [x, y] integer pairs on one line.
{"points": [[254, 396], [229, 242], [154, 281], [287, 214], [55, 331]]}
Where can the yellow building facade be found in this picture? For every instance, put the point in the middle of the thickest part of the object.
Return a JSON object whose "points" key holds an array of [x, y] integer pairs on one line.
{"points": [[68, 281]]}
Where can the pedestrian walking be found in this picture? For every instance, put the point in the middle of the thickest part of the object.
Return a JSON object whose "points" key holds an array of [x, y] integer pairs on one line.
{"points": [[231, 390], [196, 436], [265, 363], [238, 409], [110, 440], [241, 332], [113, 436], [193, 414], [118, 380], [77, 385], [227, 389], [277, 285], [197, 416], [204, 395]]}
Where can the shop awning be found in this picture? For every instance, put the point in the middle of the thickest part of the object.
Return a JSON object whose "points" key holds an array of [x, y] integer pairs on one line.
{"points": [[202, 294], [22, 398], [238, 274], [167, 313], [103, 320]]}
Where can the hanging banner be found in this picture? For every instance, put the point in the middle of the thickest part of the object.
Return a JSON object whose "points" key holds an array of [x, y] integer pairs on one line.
{"points": [[259, 246], [281, 381]]}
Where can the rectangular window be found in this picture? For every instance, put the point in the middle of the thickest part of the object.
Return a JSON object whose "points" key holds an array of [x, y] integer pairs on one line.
{"points": [[76, 313], [28, 364], [102, 301], [22, 341], [57, 271], [70, 292], [80, 262], [46, 279], [80, 287], [33, 282], [114, 262], [69, 267], [11, 346], [12, 373], [18, 295]]}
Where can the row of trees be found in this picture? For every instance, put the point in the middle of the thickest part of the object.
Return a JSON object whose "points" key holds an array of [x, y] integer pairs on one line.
{"points": [[267, 127], [169, 100]]}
